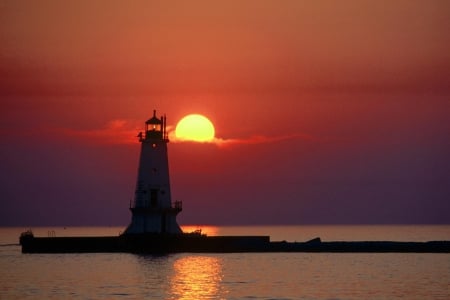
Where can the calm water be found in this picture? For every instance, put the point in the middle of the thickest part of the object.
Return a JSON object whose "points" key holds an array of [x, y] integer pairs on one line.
{"points": [[231, 276]]}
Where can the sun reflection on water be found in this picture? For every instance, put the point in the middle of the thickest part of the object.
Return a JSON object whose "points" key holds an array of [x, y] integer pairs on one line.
{"points": [[197, 277]]}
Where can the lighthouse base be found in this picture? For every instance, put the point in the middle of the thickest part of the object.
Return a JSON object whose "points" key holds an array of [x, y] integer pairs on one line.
{"points": [[153, 223]]}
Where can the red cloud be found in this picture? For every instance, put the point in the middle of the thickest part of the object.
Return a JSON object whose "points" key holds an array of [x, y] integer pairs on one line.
{"points": [[122, 131], [117, 131]]}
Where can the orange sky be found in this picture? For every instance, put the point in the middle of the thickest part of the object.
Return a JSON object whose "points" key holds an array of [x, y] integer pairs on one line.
{"points": [[338, 109]]}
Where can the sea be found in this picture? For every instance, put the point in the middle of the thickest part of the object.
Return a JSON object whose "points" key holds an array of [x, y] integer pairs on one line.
{"points": [[231, 275]]}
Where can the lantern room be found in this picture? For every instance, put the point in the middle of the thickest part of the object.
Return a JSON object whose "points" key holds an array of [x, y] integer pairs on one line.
{"points": [[155, 128]]}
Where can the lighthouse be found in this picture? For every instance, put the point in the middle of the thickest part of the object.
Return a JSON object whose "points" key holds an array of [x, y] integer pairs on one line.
{"points": [[152, 209]]}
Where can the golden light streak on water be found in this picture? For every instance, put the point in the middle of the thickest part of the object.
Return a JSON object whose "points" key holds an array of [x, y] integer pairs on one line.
{"points": [[197, 277]]}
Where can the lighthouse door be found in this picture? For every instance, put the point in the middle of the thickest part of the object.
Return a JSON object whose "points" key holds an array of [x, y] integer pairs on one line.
{"points": [[153, 198], [163, 223]]}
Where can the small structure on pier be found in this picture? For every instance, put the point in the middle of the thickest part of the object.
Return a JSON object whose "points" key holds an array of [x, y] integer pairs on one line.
{"points": [[152, 209]]}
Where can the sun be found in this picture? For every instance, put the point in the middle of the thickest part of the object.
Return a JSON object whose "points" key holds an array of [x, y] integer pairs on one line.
{"points": [[195, 127]]}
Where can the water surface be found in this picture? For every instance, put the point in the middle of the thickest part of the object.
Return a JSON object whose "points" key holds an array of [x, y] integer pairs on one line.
{"points": [[231, 276]]}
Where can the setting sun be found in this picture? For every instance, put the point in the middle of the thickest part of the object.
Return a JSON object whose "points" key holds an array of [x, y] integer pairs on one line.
{"points": [[196, 128]]}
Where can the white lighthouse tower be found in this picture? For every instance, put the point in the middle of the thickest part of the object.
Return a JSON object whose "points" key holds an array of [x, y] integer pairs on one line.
{"points": [[152, 209]]}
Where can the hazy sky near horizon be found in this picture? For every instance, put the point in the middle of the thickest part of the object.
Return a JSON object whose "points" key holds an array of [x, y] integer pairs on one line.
{"points": [[335, 112]]}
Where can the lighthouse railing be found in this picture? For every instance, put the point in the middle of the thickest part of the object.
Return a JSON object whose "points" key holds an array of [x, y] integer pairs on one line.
{"points": [[177, 205]]}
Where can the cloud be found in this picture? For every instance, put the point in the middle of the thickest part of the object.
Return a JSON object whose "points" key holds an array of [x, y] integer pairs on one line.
{"points": [[121, 131], [256, 139], [118, 131], [259, 139]]}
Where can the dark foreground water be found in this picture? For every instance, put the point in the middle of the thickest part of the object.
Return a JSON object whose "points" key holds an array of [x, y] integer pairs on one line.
{"points": [[231, 276]]}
